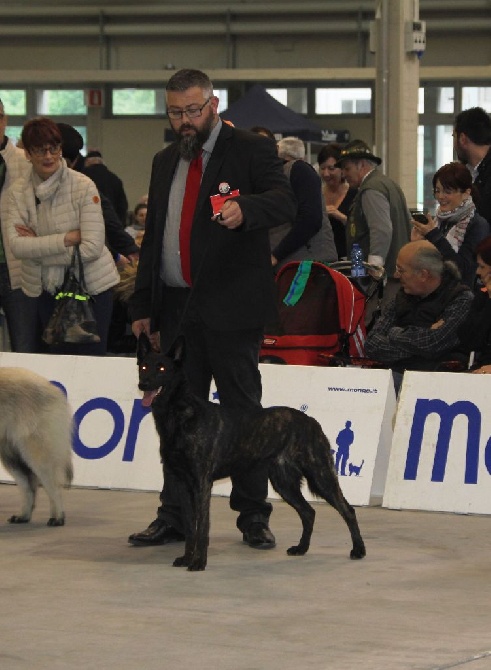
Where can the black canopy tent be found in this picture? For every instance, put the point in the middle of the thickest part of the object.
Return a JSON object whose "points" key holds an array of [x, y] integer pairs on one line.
{"points": [[258, 108]]}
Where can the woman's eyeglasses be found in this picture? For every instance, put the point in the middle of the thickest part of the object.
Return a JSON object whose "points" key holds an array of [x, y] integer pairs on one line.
{"points": [[51, 149]]}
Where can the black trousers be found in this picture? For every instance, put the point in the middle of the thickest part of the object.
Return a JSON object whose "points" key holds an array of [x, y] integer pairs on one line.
{"points": [[231, 358]]}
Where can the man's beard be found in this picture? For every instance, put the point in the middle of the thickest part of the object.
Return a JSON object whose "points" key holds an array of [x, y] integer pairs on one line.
{"points": [[461, 154], [190, 145]]}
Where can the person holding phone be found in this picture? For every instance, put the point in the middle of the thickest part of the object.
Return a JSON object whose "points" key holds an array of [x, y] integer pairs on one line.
{"points": [[456, 229]]}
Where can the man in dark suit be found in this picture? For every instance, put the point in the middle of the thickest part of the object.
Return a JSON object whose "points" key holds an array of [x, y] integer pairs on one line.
{"points": [[215, 284]]}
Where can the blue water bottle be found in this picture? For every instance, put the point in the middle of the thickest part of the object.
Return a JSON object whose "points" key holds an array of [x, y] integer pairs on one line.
{"points": [[357, 267]]}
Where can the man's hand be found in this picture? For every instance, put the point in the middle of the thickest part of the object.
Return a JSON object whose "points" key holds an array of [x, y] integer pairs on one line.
{"points": [[231, 215], [143, 326], [437, 324]]}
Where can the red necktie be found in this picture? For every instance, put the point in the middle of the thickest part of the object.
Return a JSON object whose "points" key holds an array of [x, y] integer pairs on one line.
{"points": [[193, 182]]}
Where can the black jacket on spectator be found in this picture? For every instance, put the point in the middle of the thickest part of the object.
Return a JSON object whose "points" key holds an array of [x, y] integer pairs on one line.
{"points": [[475, 333], [117, 239], [111, 186], [483, 186]]}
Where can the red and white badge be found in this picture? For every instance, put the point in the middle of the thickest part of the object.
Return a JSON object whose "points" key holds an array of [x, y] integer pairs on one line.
{"points": [[223, 188], [218, 200]]}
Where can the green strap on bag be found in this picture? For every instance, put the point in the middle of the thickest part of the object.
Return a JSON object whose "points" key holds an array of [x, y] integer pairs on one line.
{"points": [[297, 287]]}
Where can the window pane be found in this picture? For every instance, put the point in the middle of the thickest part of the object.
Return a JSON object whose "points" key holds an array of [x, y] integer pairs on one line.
{"points": [[435, 148], [222, 95], [138, 101], [294, 98], [14, 102], [476, 96], [13, 133], [60, 102], [83, 131], [343, 100], [445, 100], [440, 99], [151, 101]]}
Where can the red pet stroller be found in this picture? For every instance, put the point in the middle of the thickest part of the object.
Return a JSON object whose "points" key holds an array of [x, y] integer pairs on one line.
{"points": [[321, 317]]}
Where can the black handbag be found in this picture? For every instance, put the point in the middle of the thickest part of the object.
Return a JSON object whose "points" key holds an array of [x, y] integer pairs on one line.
{"points": [[73, 319]]}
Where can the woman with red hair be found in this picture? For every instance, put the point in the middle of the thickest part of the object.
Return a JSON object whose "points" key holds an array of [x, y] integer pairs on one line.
{"points": [[50, 210]]}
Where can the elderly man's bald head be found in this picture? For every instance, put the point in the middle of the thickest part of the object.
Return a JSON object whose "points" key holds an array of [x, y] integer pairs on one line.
{"points": [[419, 267]]}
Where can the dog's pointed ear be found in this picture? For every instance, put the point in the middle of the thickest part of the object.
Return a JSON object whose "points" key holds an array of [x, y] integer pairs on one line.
{"points": [[176, 352], [143, 347]]}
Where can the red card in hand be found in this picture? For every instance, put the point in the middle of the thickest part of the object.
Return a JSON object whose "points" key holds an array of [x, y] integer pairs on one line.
{"points": [[218, 200]]}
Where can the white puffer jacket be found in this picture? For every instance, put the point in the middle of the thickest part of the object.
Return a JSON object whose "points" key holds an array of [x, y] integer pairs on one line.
{"points": [[72, 202], [17, 165]]}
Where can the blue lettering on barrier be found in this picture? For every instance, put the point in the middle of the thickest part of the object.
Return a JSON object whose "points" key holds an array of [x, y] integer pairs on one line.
{"points": [[137, 414], [116, 413], [447, 413], [60, 386]]}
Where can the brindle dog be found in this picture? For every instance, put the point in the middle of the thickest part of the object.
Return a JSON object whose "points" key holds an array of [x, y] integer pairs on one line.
{"points": [[201, 441]]}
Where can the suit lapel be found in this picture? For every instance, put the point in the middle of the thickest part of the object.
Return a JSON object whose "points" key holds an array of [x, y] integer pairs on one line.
{"points": [[210, 176]]}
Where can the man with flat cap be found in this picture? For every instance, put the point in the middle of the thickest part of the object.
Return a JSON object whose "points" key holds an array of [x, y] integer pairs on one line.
{"points": [[379, 218]]}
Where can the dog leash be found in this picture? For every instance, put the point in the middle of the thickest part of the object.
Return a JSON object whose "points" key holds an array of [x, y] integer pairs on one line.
{"points": [[193, 286]]}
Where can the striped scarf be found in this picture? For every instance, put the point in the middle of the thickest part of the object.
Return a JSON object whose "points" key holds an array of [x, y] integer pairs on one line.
{"points": [[453, 224]]}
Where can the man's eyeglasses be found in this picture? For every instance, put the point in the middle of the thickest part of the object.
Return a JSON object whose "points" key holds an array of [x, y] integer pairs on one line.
{"points": [[191, 112], [52, 149]]}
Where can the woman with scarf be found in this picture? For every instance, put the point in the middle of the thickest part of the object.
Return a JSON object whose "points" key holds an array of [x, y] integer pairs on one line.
{"points": [[50, 210], [456, 228]]}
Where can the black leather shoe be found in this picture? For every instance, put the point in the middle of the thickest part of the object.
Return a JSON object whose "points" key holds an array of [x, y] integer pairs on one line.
{"points": [[259, 536], [158, 532]]}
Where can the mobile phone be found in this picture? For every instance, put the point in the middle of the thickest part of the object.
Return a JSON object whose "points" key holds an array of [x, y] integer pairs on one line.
{"points": [[419, 217]]}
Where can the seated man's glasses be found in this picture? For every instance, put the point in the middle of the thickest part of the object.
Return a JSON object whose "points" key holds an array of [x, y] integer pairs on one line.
{"points": [[191, 112], [52, 149]]}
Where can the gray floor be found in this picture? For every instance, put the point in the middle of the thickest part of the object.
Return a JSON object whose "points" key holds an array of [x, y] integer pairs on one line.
{"points": [[80, 597]]}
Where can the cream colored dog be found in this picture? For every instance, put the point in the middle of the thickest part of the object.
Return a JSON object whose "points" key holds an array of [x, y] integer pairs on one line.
{"points": [[35, 439]]}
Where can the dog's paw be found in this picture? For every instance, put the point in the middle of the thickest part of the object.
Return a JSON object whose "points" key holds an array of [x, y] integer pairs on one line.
{"points": [[53, 521], [196, 566], [23, 518], [297, 550], [181, 562], [357, 553]]}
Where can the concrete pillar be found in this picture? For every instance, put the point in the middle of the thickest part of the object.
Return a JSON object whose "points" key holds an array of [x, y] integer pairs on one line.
{"points": [[94, 128], [396, 93]]}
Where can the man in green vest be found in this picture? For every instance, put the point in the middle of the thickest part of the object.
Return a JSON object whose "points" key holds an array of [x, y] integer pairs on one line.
{"points": [[379, 218]]}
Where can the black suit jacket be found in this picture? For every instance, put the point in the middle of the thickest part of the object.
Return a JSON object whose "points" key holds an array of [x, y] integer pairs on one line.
{"points": [[233, 286]]}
